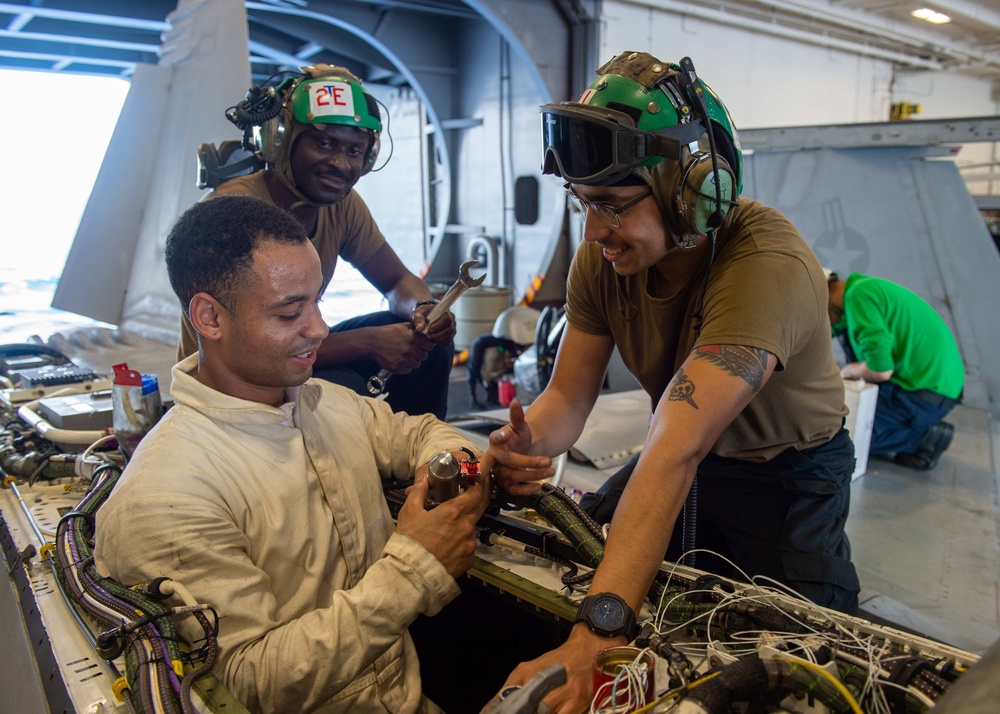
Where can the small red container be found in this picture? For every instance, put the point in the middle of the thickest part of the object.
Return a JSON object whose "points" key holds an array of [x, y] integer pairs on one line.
{"points": [[506, 391], [608, 663]]}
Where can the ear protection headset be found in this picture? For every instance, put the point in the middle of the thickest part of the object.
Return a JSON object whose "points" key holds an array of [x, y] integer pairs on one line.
{"points": [[271, 118], [707, 188], [640, 112]]}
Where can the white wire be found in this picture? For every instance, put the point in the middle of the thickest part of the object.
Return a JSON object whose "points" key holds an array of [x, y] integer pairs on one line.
{"points": [[609, 696], [782, 589], [78, 466], [872, 663]]}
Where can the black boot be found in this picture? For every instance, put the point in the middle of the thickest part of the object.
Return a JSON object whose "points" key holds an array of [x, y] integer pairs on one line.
{"points": [[932, 445]]}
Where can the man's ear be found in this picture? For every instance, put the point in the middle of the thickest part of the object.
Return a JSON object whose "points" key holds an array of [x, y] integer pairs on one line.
{"points": [[206, 316]]}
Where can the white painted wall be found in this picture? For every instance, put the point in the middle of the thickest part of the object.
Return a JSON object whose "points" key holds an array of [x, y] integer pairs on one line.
{"points": [[764, 81], [768, 81], [944, 95]]}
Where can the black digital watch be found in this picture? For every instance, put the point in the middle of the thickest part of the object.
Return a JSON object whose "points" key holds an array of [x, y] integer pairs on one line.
{"points": [[607, 615]]}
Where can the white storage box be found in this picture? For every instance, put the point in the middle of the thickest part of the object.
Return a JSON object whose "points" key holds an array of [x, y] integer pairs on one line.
{"points": [[861, 399]]}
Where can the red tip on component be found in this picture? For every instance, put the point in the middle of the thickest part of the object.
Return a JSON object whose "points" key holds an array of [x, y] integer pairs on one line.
{"points": [[470, 469]]}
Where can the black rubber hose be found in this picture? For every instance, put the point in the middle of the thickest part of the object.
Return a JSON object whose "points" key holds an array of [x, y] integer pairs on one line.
{"points": [[556, 506], [743, 680]]}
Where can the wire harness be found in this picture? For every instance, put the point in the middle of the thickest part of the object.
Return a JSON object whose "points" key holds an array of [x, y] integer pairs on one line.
{"points": [[140, 626], [726, 645]]}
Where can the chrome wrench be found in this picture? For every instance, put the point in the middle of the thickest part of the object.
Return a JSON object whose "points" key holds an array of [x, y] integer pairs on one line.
{"points": [[376, 384]]}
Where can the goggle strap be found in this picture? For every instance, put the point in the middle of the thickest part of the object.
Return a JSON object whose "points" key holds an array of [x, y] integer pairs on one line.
{"points": [[668, 142], [665, 146]]}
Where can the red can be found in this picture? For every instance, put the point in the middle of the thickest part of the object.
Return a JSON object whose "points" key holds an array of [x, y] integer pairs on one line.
{"points": [[506, 391], [609, 663]]}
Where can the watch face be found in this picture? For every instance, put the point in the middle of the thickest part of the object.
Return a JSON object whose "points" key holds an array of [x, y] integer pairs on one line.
{"points": [[608, 613]]}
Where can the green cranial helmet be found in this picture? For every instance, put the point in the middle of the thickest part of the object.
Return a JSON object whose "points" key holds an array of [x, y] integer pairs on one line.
{"points": [[323, 95], [638, 112], [334, 96]]}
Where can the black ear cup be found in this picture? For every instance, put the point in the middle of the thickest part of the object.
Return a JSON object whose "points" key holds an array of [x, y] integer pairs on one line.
{"points": [[276, 137], [208, 166], [372, 154], [217, 165], [696, 193], [708, 184]]}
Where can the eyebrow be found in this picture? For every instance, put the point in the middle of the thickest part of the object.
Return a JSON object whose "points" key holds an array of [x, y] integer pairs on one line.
{"points": [[317, 134], [597, 198], [290, 300]]}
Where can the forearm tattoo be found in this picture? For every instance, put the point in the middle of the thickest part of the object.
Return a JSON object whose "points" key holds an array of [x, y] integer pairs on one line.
{"points": [[681, 389], [748, 363]]}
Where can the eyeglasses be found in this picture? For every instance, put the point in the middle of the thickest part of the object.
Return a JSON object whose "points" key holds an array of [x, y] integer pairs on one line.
{"points": [[611, 215]]}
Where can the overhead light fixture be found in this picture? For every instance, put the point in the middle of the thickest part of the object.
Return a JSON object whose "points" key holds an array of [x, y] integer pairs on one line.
{"points": [[938, 18]]}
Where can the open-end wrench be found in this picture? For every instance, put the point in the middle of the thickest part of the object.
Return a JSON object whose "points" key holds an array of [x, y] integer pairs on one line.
{"points": [[465, 281]]}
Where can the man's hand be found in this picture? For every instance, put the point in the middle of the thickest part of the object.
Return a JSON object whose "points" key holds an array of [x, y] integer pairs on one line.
{"points": [[441, 332], [448, 531], [577, 655], [399, 348], [859, 370], [509, 446]]}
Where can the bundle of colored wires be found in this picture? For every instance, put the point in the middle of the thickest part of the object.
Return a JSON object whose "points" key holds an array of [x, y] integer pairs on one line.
{"points": [[627, 691], [141, 628]]}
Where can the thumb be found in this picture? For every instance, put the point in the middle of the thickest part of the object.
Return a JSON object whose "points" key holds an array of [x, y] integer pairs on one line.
{"points": [[419, 322], [516, 414]]}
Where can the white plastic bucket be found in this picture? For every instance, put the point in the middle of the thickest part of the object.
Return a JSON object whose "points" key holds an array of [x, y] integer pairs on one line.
{"points": [[476, 311]]}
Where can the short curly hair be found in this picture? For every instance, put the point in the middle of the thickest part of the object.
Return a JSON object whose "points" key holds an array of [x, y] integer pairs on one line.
{"points": [[210, 247]]}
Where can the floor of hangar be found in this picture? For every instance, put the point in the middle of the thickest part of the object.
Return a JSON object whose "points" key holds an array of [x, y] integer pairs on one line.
{"points": [[925, 544]]}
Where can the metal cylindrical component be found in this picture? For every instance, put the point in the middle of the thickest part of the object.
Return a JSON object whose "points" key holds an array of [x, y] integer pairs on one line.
{"points": [[443, 471], [608, 665]]}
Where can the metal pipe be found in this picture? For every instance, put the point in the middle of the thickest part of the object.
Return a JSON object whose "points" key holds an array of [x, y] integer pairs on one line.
{"points": [[890, 30], [977, 178], [724, 18], [11, 483], [487, 245], [60, 436], [974, 10], [86, 17], [85, 41]]}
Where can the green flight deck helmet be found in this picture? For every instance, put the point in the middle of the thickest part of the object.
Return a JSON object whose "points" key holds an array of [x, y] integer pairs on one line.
{"points": [[639, 113]]}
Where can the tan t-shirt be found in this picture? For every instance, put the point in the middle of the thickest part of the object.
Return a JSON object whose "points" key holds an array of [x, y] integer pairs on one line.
{"points": [[345, 228], [765, 290]]}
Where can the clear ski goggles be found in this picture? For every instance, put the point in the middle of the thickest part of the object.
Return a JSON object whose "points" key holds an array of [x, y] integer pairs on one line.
{"points": [[596, 146]]}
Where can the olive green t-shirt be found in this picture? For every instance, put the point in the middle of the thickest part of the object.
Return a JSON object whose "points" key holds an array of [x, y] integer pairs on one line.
{"points": [[345, 228], [765, 290]]}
